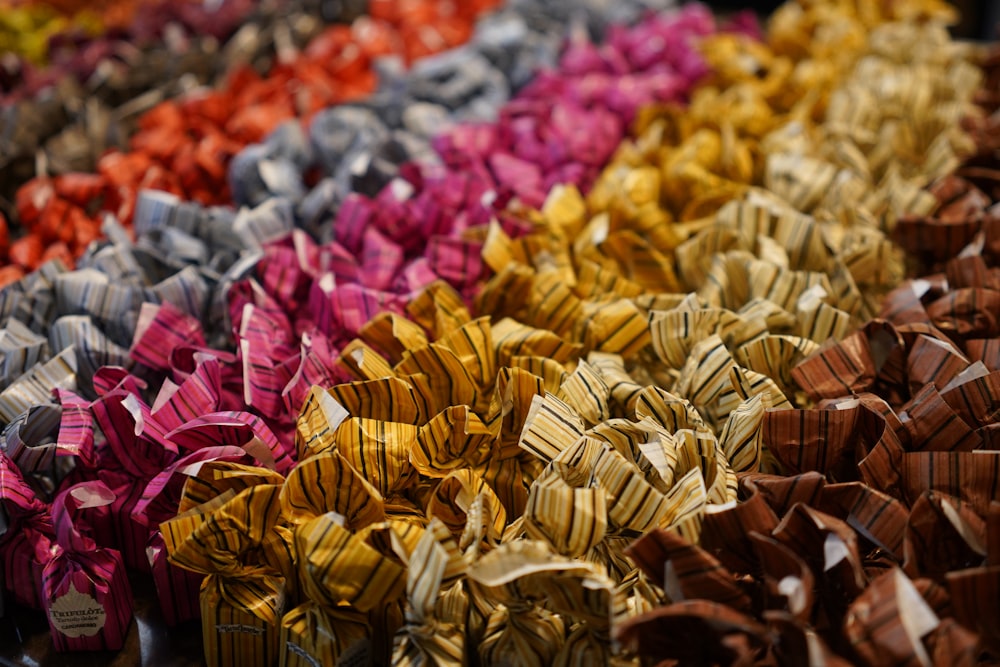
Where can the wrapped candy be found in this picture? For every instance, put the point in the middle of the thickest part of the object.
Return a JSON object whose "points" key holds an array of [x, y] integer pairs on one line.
{"points": [[25, 546], [242, 598], [343, 579], [85, 592], [429, 607], [520, 577], [177, 590]]}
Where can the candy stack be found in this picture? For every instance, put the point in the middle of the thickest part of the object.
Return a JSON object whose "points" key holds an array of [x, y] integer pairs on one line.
{"points": [[615, 335]]}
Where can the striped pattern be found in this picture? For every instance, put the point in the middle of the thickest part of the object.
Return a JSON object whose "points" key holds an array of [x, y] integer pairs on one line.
{"points": [[214, 479], [701, 452], [813, 440], [782, 493], [236, 429], [388, 399], [392, 334], [337, 568], [617, 326], [469, 508], [975, 399], [675, 332], [633, 503], [36, 385], [438, 309], [380, 452], [974, 592], [877, 516], [358, 361], [450, 381], [973, 477], [241, 602], [645, 444], [76, 426], [328, 483], [685, 505], [159, 330], [117, 528], [20, 349], [727, 531], [27, 536], [768, 216], [932, 425], [819, 321], [78, 565], [586, 393], [312, 634], [100, 574], [672, 412], [429, 636], [740, 439], [513, 339], [571, 520], [455, 438], [931, 361], [240, 618], [32, 300], [783, 565], [199, 393], [841, 369], [968, 312], [611, 367], [889, 618], [316, 427], [519, 575], [27, 441], [551, 372], [810, 532], [177, 590], [775, 355], [685, 571], [943, 534], [550, 427]]}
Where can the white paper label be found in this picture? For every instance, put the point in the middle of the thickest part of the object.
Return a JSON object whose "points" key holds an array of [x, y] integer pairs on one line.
{"points": [[77, 614]]}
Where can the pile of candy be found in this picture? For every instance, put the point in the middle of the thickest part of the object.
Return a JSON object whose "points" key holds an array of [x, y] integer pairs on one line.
{"points": [[552, 333]]}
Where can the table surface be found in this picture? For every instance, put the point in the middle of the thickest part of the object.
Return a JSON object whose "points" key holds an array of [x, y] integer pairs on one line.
{"points": [[25, 639]]}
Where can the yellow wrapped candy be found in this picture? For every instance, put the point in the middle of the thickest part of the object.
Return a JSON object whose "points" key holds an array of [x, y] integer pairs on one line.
{"points": [[242, 599]]}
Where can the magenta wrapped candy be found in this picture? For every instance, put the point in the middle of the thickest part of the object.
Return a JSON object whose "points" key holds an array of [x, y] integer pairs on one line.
{"points": [[25, 546], [85, 591]]}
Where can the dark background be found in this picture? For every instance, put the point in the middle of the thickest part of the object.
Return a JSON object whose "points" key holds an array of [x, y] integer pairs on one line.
{"points": [[979, 17]]}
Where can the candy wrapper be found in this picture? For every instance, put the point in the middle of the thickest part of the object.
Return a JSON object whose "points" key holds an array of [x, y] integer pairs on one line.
{"points": [[344, 579], [177, 589], [548, 610], [25, 546], [242, 599], [85, 591], [429, 607]]}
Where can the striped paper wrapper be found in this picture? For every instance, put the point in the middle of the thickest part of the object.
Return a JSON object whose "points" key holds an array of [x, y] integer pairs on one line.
{"points": [[122, 531], [244, 634], [85, 591], [243, 597], [312, 636], [177, 589], [25, 538], [23, 557]]}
